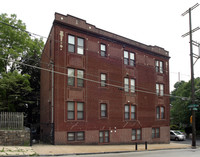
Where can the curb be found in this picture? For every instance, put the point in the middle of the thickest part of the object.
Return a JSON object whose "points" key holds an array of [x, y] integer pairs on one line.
{"points": [[109, 152], [113, 152]]}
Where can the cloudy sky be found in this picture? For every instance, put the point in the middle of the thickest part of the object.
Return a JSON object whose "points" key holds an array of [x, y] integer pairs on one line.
{"points": [[152, 22]]}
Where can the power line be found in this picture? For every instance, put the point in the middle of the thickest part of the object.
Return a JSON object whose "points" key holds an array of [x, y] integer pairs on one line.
{"points": [[22, 29], [66, 68], [57, 41], [50, 59], [30, 33], [94, 81]]}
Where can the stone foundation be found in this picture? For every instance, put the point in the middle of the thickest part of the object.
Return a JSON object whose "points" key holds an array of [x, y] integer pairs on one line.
{"points": [[14, 137]]}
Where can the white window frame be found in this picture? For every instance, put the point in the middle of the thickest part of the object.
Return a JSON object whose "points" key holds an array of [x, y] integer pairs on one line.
{"points": [[103, 79], [71, 43], [80, 78], [103, 110], [103, 50], [159, 66], [80, 46], [71, 76], [160, 89], [126, 58], [126, 84]]}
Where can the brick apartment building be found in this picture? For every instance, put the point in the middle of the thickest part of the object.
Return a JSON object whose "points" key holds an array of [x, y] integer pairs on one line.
{"points": [[106, 89]]}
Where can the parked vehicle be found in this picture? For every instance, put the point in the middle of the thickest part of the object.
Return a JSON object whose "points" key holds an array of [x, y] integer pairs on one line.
{"points": [[177, 135]]}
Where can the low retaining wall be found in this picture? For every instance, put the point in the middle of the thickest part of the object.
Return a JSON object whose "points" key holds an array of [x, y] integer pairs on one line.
{"points": [[14, 137]]}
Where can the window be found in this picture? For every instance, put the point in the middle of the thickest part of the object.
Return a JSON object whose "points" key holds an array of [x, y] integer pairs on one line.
{"points": [[160, 89], [70, 136], [132, 59], [71, 77], [80, 111], [75, 47], [126, 84], [72, 73], [126, 60], [80, 81], [155, 132], [70, 111], [75, 136], [103, 136], [129, 58], [136, 134], [159, 66], [160, 112], [103, 80], [80, 47], [103, 50], [129, 113], [132, 85], [75, 110], [103, 110], [130, 82], [71, 43], [80, 136]]}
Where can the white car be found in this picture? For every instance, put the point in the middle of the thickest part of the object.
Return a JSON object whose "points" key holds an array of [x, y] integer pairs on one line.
{"points": [[177, 135]]}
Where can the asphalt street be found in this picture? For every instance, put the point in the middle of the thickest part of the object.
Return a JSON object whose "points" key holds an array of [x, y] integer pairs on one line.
{"points": [[188, 141], [158, 153]]}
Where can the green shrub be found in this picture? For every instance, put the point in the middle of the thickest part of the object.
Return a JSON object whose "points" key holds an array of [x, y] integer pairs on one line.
{"points": [[174, 127]]}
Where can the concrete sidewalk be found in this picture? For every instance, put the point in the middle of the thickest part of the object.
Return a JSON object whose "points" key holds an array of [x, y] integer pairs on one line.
{"points": [[81, 149]]}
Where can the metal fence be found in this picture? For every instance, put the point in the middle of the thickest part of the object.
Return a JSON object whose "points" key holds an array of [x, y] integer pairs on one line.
{"points": [[11, 120]]}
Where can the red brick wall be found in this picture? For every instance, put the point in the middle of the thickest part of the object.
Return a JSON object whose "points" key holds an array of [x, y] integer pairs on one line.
{"points": [[92, 94], [117, 136]]}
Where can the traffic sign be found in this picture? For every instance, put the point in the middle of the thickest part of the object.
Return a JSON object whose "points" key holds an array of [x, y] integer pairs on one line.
{"points": [[193, 109], [193, 106]]}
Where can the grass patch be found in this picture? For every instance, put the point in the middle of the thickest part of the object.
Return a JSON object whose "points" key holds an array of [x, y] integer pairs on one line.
{"points": [[34, 154], [2, 150]]}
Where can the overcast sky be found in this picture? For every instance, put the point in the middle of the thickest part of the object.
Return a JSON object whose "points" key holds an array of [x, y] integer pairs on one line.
{"points": [[152, 22]]}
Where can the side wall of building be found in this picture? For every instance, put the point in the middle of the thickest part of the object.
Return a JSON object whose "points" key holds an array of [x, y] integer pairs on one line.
{"points": [[47, 59], [92, 95]]}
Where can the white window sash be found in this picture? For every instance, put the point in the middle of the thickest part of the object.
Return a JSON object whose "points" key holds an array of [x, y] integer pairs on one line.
{"points": [[103, 47], [71, 39], [132, 56], [132, 85], [125, 54]]}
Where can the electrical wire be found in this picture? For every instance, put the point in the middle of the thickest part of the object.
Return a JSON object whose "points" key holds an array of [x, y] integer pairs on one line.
{"points": [[30, 33], [94, 81], [57, 41], [65, 43]]}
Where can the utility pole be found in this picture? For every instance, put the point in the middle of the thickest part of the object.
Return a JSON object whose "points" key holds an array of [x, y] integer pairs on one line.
{"points": [[192, 72]]}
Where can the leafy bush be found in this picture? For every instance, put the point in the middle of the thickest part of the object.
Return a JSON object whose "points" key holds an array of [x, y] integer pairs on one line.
{"points": [[174, 127]]}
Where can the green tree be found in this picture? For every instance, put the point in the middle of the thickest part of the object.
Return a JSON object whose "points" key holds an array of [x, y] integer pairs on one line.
{"points": [[14, 42], [14, 89], [17, 44], [181, 99], [33, 58]]}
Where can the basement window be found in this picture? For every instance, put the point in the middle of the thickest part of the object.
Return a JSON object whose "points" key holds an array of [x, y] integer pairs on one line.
{"points": [[155, 132], [76, 136], [103, 136], [136, 134]]}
